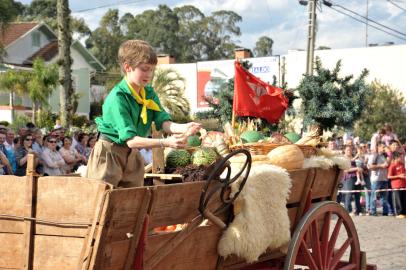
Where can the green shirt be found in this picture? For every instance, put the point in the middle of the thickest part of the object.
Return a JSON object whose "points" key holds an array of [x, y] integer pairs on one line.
{"points": [[121, 114]]}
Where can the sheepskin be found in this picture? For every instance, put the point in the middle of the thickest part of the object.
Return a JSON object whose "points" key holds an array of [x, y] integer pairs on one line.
{"points": [[262, 221], [327, 159], [82, 170], [318, 162]]}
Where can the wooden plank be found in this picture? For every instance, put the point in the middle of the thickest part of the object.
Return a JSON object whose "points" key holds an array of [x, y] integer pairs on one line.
{"points": [[309, 180], [298, 185], [29, 211], [197, 252], [177, 203], [76, 199], [60, 253], [11, 250], [12, 201], [158, 159], [324, 183], [120, 217], [163, 176]]}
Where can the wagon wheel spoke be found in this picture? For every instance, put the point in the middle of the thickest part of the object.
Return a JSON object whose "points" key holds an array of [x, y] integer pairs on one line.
{"points": [[340, 252], [315, 243], [324, 238], [307, 255], [333, 238]]}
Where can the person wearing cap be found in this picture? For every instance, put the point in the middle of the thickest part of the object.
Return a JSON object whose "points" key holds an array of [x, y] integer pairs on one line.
{"points": [[128, 112]]}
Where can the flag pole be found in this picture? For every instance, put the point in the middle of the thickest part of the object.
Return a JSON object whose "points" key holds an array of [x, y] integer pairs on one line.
{"points": [[233, 119]]}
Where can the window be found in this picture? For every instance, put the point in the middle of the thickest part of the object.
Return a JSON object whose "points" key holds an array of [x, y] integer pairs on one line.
{"points": [[36, 39]]}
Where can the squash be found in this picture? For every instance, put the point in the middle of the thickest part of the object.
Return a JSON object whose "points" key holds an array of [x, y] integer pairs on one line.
{"points": [[288, 156], [211, 137]]}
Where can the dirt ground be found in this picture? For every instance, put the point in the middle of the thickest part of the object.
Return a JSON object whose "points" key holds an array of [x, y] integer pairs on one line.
{"points": [[384, 241]]}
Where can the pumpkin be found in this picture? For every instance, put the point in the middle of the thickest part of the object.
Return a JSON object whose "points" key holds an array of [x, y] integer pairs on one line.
{"points": [[211, 137], [289, 157]]}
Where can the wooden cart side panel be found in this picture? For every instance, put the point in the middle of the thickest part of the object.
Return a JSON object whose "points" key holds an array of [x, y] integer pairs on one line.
{"points": [[177, 203], [124, 214], [11, 250], [300, 183], [197, 252], [12, 196], [325, 184]]}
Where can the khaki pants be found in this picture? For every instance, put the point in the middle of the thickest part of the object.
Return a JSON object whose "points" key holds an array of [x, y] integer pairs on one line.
{"points": [[116, 164]]}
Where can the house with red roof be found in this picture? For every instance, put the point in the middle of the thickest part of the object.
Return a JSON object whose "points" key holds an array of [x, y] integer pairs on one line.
{"points": [[24, 42]]}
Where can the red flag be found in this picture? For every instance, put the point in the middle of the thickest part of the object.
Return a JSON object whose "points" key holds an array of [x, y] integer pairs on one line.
{"points": [[253, 97]]}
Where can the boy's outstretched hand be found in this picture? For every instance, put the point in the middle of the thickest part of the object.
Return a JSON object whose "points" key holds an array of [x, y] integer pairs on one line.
{"points": [[192, 128], [176, 141]]}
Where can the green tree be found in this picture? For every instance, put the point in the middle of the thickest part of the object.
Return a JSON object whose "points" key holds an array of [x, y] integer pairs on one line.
{"points": [[328, 100], [383, 105], [14, 82], [65, 62], [37, 84], [42, 82], [105, 40], [159, 27], [46, 10], [169, 85], [263, 47]]}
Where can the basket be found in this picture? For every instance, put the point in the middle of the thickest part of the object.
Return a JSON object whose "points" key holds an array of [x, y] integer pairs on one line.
{"points": [[265, 148]]}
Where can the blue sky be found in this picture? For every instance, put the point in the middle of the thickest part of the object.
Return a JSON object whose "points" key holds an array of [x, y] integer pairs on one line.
{"points": [[285, 21]]}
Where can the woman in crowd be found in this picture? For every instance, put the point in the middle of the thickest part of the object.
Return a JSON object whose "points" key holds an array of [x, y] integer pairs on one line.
{"points": [[90, 145], [22, 152], [53, 161], [70, 155], [350, 177], [83, 138]]}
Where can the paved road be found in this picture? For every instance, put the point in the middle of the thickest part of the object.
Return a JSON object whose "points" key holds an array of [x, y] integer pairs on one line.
{"points": [[384, 241]]}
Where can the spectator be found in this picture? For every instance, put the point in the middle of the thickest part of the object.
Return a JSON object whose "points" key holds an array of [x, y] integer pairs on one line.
{"points": [[350, 177], [38, 147], [53, 161], [9, 144], [71, 157], [5, 166], [361, 159], [396, 174], [22, 154], [378, 165], [83, 138], [389, 135], [376, 139], [90, 145]]}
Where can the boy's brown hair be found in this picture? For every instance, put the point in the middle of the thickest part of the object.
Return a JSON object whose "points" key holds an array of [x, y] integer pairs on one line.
{"points": [[135, 52]]}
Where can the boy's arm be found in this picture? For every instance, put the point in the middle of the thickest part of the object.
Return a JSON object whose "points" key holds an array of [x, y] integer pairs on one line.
{"points": [[188, 129], [175, 141]]}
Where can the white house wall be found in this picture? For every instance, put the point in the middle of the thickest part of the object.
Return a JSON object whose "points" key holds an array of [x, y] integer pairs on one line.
{"points": [[385, 63], [21, 49]]}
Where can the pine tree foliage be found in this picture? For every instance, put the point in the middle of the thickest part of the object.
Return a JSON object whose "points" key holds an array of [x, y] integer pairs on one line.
{"points": [[384, 105], [329, 100]]}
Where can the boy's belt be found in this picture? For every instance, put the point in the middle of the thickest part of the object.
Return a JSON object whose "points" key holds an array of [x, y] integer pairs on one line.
{"points": [[105, 138]]}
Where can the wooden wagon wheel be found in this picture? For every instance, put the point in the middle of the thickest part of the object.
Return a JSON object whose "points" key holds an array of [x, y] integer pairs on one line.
{"points": [[215, 182], [313, 246]]}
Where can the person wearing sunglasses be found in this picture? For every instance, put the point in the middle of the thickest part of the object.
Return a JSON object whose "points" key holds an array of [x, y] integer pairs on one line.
{"points": [[53, 161], [22, 154]]}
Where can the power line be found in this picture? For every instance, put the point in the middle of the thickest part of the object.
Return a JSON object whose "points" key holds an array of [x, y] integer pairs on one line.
{"points": [[373, 26], [109, 5], [371, 20], [396, 5]]}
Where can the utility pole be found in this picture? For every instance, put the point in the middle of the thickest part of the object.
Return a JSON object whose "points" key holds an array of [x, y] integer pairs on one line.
{"points": [[311, 37]]}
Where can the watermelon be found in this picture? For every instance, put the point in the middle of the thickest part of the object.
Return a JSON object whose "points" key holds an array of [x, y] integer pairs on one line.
{"points": [[177, 158], [251, 136], [293, 137], [204, 156], [193, 141]]}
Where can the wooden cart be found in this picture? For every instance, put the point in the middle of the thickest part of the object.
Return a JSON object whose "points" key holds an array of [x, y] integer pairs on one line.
{"points": [[78, 223]]}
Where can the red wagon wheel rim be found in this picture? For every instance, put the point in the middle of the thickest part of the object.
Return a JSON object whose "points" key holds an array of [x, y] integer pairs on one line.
{"points": [[314, 244]]}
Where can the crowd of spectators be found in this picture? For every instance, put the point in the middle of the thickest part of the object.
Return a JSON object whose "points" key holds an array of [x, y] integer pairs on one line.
{"points": [[57, 153], [377, 177]]}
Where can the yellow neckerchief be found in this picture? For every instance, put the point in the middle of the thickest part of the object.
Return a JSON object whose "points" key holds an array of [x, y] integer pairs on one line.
{"points": [[146, 103]]}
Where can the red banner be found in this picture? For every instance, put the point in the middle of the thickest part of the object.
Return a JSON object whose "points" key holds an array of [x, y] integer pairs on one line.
{"points": [[253, 97]]}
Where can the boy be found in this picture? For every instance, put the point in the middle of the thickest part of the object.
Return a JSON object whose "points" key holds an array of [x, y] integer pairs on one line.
{"points": [[396, 174], [128, 112]]}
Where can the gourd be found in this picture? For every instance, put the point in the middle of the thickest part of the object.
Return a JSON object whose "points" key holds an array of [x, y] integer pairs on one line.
{"points": [[251, 136], [288, 156], [211, 137]]}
